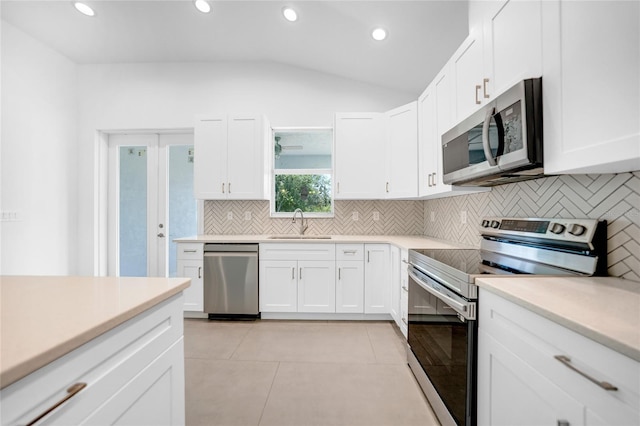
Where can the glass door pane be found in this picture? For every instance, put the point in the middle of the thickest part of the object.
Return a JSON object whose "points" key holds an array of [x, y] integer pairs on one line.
{"points": [[133, 211], [182, 205]]}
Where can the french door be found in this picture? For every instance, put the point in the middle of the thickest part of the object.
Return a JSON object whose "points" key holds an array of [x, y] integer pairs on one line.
{"points": [[151, 202]]}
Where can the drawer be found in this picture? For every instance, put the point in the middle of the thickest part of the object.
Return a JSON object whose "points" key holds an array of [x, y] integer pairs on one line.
{"points": [[298, 251], [190, 251], [350, 252]]}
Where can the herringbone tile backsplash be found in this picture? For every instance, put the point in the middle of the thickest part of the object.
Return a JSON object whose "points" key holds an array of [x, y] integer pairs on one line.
{"points": [[395, 218], [614, 198]]}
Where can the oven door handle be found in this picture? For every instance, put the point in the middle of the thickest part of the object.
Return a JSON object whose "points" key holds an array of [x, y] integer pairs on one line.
{"points": [[466, 310]]}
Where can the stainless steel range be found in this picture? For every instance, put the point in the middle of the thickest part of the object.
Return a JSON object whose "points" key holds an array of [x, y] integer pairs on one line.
{"points": [[443, 297]]}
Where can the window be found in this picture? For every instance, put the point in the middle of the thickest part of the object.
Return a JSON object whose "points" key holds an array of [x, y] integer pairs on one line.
{"points": [[302, 172]]}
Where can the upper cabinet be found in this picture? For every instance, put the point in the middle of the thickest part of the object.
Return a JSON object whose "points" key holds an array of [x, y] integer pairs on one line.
{"points": [[591, 88], [376, 154], [504, 46], [435, 116], [230, 157]]}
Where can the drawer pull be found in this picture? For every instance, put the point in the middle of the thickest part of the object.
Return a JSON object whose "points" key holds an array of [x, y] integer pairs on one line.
{"points": [[404, 288], [405, 322], [199, 272], [190, 251], [567, 362], [72, 391], [349, 251]]}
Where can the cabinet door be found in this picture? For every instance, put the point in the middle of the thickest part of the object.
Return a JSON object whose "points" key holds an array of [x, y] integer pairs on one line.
{"points": [[512, 43], [467, 72], [278, 286], [402, 152], [377, 279], [194, 294], [394, 307], [427, 130], [511, 392], [155, 396], [210, 158], [316, 286], [591, 96], [245, 158], [360, 161], [350, 286]]}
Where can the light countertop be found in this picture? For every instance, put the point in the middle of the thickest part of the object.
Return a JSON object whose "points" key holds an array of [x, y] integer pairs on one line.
{"points": [[43, 318], [604, 309], [402, 241]]}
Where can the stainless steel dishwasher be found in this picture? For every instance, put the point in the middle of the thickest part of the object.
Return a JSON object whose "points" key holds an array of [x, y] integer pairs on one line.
{"points": [[231, 281]]}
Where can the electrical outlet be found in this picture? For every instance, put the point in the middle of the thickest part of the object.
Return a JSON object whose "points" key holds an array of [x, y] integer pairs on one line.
{"points": [[354, 216], [247, 215], [376, 215], [229, 215], [433, 216], [463, 217]]}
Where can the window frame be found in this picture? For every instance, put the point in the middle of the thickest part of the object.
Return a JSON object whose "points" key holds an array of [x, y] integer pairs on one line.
{"points": [[274, 172]]}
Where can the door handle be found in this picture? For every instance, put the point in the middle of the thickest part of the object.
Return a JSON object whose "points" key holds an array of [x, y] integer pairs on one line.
{"points": [[161, 235], [485, 137]]}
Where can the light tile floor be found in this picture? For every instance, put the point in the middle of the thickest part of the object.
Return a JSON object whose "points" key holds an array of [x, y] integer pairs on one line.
{"points": [[300, 373]]}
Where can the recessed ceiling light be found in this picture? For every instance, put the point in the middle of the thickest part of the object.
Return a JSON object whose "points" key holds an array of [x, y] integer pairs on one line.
{"points": [[202, 5], [289, 14], [83, 8], [379, 34]]}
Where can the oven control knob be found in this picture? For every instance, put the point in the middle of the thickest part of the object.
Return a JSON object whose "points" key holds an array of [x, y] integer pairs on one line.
{"points": [[557, 228], [577, 230], [495, 224], [485, 223]]}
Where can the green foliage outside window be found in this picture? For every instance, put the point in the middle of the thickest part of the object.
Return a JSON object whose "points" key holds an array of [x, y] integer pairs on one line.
{"points": [[310, 193]]}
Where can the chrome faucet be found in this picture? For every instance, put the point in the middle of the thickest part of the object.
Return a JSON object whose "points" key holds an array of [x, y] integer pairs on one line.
{"points": [[303, 226]]}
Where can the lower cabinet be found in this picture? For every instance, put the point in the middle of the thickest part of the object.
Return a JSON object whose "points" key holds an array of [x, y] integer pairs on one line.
{"points": [[394, 307], [532, 371], [190, 265], [377, 279], [133, 374], [297, 278], [350, 278]]}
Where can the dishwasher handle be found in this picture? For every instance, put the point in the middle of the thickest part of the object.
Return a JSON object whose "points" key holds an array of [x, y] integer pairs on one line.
{"points": [[226, 248], [229, 254]]}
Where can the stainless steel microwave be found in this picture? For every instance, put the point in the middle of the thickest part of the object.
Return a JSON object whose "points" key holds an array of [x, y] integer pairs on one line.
{"points": [[501, 143]]}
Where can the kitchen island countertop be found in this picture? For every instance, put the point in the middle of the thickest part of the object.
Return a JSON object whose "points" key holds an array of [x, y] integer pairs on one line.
{"points": [[45, 317], [604, 309]]}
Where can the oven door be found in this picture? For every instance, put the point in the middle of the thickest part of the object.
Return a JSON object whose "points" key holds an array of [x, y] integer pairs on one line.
{"points": [[442, 336]]}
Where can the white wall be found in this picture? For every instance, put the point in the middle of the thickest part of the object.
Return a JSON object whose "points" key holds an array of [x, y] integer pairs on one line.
{"points": [[39, 159], [166, 96]]}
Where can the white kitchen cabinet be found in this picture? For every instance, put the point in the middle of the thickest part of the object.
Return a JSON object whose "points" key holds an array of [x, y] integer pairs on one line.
{"points": [[377, 279], [190, 265], [402, 152], [231, 157], [350, 278], [134, 374], [522, 381], [297, 278], [435, 116], [376, 154], [394, 307], [504, 46], [360, 156], [591, 96]]}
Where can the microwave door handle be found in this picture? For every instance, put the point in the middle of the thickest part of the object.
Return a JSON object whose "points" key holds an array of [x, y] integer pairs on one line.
{"points": [[485, 138]]}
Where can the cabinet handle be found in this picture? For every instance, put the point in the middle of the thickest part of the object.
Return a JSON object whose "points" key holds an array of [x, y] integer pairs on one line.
{"points": [[71, 392], [430, 180], [339, 274], [199, 271], [223, 187], [484, 87], [338, 188], [190, 251], [387, 187], [293, 273], [300, 276], [433, 179], [349, 251], [229, 187], [405, 289], [567, 362], [405, 322], [368, 256], [478, 90]]}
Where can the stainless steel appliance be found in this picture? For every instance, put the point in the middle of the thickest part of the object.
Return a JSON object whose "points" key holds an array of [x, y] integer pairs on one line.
{"points": [[231, 280], [443, 298], [500, 143]]}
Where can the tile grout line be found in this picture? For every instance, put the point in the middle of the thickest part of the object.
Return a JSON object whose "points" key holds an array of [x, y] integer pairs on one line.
{"points": [[266, 401], [241, 341]]}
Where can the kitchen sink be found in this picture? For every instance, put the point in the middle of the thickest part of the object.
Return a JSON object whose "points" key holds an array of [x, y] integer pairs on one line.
{"points": [[299, 237]]}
